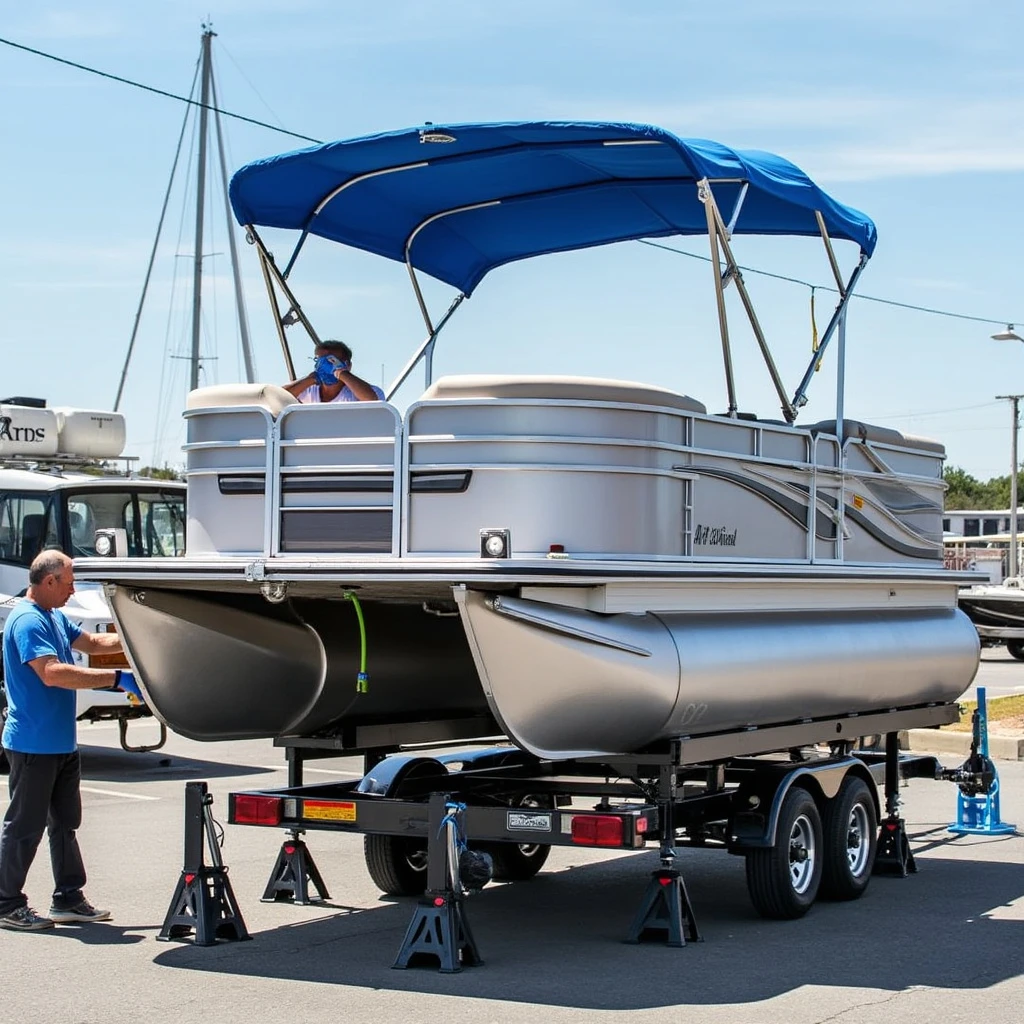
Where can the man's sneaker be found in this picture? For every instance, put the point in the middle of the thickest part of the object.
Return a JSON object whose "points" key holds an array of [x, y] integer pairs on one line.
{"points": [[25, 919], [83, 911]]}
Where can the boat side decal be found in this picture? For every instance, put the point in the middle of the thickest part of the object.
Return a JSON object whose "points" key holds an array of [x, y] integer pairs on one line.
{"points": [[796, 510]]}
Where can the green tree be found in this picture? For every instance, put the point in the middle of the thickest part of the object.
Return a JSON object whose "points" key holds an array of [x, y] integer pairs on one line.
{"points": [[160, 472]]}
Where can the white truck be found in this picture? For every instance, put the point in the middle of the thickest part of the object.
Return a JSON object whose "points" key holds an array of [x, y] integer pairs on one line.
{"points": [[62, 479]]}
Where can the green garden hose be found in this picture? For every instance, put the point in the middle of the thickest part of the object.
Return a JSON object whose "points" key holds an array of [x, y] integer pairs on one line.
{"points": [[362, 679]]}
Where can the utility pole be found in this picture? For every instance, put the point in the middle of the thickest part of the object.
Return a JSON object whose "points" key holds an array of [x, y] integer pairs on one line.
{"points": [[1014, 401]]}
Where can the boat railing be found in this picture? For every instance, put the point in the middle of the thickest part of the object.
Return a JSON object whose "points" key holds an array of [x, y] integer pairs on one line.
{"points": [[601, 480]]}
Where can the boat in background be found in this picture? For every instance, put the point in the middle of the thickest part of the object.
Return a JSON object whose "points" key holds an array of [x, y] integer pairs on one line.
{"points": [[588, 567]]}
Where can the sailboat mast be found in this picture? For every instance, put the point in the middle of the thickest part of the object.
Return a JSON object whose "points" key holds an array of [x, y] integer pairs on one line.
{"points": [[197, 275]]}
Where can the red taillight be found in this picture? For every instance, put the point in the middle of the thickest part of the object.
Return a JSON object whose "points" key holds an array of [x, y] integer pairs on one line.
{"points": [[597, 830], [257, 810]]}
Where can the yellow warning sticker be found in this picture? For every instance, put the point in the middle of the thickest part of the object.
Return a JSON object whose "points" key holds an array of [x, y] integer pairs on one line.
{"points": [[335, 810]]}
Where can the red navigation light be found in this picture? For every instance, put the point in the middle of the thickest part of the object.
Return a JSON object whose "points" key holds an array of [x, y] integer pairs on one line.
{"points": [[257, 810], [597, 830]]}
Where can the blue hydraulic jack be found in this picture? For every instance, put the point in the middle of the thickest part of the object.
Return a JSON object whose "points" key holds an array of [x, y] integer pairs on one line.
{"points": [[977, 802]]}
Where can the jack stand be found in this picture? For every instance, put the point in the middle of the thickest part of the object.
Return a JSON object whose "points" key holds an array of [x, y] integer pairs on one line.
{"points": [[439, 928], [665, 912], [293, 871], [977, 803], [894, 856], [203, 899]]}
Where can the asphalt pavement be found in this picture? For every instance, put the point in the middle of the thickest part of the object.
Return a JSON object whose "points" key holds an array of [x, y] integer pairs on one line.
{"points": [[1000, 674], [942, 945]]}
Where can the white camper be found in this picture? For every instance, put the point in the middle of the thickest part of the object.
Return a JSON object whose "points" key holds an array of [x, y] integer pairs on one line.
{"points": [[56, 491]]}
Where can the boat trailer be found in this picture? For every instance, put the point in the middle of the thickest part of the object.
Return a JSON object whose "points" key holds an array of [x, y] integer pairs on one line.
{"points": [[808, 821]]}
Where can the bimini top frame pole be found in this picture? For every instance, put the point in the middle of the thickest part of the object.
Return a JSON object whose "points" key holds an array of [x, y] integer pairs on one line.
{"points": [[497, 193]]}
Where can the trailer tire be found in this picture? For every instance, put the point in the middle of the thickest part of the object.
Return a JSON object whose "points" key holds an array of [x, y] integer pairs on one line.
{"points": [[397, 864], [1016, 649], [516, 862], [783, 879], [850, 830]]}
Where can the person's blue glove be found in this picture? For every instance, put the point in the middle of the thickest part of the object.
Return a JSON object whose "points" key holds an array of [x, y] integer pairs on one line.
{"points": [[126, 681], [325, 367]]}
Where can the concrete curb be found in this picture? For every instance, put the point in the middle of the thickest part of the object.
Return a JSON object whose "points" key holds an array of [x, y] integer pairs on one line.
{"points": [[1001, 747]]}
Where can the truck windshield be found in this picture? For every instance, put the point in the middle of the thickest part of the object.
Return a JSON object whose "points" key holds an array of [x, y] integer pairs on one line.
{"points": [[154, 520]]}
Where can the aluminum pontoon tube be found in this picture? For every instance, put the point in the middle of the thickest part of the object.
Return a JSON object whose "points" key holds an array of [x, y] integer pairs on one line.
{"points": [[566, 682], [220, 666]]}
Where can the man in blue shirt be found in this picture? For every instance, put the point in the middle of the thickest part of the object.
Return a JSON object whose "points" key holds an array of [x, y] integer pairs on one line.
{"points": [[39, 736]]}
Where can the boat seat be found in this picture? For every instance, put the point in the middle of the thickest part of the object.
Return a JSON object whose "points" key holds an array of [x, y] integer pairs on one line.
{"points": [[884, 435], [581, 389], [267, 396]]}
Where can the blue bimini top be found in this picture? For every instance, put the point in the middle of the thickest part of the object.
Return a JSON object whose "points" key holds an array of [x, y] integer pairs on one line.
{"points": [[463, 199]]}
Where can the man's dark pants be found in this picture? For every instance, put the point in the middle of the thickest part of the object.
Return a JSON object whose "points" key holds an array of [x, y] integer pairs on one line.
{"points": [[45, 795]]}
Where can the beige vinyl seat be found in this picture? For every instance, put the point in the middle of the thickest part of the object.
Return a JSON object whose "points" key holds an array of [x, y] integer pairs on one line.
{"points": [[228, 396], [550, 386], [883, 435]]}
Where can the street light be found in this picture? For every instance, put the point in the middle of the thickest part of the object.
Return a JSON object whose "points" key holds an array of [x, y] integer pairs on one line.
{"points": [[1008, 335]]}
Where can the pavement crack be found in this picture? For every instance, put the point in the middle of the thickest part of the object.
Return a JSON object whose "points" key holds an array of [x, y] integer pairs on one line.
{"points": [[856, 1007]]}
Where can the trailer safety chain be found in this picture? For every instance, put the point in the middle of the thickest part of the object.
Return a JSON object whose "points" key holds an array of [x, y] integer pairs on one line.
{"points": [[362, 678]]}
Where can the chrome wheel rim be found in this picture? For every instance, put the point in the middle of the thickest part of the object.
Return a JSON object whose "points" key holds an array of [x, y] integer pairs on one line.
{"points": [[858, 840], [801, 854]]}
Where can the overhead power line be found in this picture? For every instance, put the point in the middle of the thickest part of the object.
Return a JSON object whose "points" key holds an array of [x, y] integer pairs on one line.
{"points": [[158, 92], [656, 245], [827, 288]]}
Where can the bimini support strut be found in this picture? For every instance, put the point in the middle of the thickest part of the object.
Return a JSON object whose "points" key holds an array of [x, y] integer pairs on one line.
{"points": [[800, 395], [273, 279]]}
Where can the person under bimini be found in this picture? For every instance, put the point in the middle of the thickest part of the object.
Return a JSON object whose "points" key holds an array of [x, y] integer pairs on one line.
{"points": [[332, 379]]}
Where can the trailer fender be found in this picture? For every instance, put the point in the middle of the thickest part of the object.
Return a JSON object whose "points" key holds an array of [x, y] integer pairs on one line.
{"points": [[756, 825], [387, 777]]}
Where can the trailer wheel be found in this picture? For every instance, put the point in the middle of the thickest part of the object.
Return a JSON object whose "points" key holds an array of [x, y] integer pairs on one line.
{"points": [[783, 879], [850, 831], [1016, 649], [516, 862], [397, 864]]}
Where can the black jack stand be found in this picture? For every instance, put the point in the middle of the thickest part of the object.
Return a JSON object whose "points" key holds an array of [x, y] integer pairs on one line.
{"points": [[666, 913], [894, 856], [439, 928], [293, 871], [203, 899]]}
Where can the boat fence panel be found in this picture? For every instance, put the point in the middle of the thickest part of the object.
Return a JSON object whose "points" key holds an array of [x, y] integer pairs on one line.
{"points": [[337, 484], [227, 455], [600, 480]]}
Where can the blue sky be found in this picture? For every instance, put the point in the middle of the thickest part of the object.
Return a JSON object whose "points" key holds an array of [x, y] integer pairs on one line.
{"points": [[912, 112]]}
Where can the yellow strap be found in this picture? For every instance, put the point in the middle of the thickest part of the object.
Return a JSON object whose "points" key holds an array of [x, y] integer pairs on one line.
{"points": [[814, 333]]}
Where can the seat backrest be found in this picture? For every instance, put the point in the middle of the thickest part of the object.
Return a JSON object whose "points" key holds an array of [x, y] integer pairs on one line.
{"points": [[580, 389], [221, 396], [883, 435]]}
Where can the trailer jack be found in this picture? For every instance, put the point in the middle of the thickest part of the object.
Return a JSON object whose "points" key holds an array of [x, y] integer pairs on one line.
{"points": [[293, 871], [439, 928], [665, 912], [203, 899]]}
